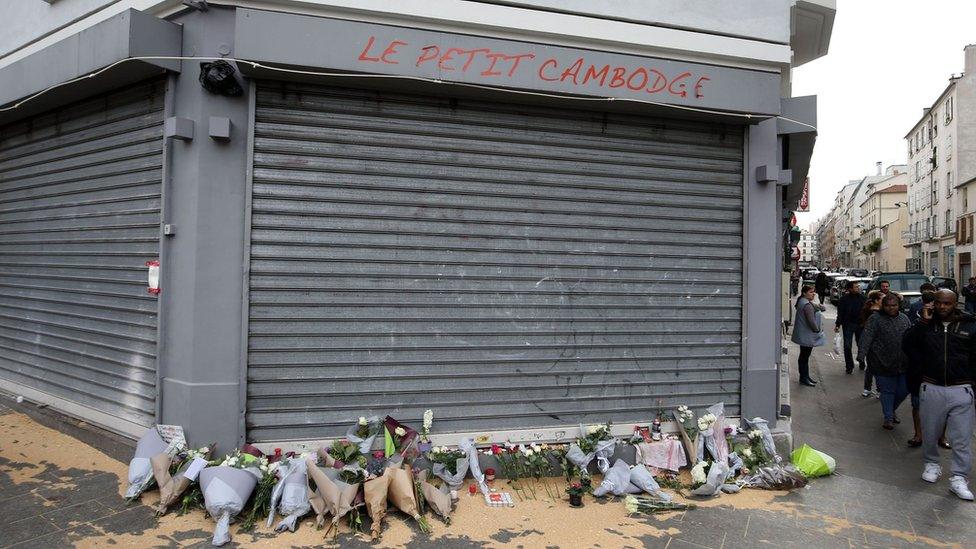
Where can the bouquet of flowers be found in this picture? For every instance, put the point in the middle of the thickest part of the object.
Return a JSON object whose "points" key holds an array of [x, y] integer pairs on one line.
{"points": [[261, 503], [597, 443], [616, 481], [402, 496], [711, 434], [428, 423], [762, 426], [438, 499], [400, 439], [338, 495], [451, 466], [342, 453], [641, 478], [376, 491], [364, 433], [753, 454], [648, 506], [227, 487], [688, 426], [152, 443], [290, 494], [467, 445], [710, 483], [171, 487], [775, 477]]}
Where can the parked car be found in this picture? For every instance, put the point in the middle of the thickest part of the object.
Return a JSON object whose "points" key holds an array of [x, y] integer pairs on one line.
{"points": [[905, 284], [861, 273], [840, 286], [948, 283]]}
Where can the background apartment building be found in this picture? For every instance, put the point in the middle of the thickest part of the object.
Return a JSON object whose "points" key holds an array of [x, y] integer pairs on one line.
{"points": [[941, 171], [809, 252], [884, 217]]}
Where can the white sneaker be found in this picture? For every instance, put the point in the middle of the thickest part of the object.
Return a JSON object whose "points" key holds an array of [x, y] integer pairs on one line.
{"points": [[960, 487], [866, 393], [932, 472]]}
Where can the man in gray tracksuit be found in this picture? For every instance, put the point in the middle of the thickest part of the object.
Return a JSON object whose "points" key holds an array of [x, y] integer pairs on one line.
{"points": [[942, 346]]}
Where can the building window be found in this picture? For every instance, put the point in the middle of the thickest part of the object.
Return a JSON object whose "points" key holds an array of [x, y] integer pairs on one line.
{"points": [[965, 198], [948, 222], [948, 147], [935, 192], [935, 157], [948, 183], [948, 110]]}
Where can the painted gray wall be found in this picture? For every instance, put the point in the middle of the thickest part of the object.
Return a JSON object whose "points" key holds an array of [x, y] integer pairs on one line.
{"points": [[761, 326], [35, 18], [202, 276], [760, 19]]}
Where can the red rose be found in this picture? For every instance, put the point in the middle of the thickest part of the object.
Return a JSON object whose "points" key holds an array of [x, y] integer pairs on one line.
{"points": [[496, 449]]}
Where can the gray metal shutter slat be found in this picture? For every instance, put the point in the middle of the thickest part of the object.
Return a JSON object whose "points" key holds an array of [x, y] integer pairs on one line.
{"points": [[510, 267], [80, 195]]}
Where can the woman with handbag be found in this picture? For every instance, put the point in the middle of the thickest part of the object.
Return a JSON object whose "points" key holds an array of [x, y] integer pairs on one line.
{"points": [[807, 331]]}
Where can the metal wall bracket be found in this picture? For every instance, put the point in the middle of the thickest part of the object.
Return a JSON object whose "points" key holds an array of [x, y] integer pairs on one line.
{"points": [[178, 128]]}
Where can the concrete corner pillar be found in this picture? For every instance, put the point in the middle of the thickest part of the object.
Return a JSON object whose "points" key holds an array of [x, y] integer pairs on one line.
{"points": [[761, 262], [202, 352]]}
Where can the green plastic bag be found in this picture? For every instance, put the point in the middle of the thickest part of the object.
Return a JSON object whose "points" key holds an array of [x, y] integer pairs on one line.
{"points": [[813, 463]]}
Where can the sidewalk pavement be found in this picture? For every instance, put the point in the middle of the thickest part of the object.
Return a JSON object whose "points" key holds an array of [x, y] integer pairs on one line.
{"points": [[60, 485]]}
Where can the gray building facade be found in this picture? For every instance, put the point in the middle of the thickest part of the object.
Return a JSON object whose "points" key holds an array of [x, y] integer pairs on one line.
{"points": [[522, 215]]}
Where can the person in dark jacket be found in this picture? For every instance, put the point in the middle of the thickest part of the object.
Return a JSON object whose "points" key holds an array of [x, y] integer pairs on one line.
{"points": [[916, 307], [849, 320], [944, 346], [822, 285], [969, 292], [882, 346], [912, 378], [871, 306]]}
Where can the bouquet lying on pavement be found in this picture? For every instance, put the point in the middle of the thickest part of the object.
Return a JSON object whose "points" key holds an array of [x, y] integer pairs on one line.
{"points": [[376, 491], [290, 494], [342, 453], [711, 434], [399, 439], [402, 495], [437, 498], [187, 469], [337, 489], [160, 439], [597, 443], [650, 506], [227, 487]]}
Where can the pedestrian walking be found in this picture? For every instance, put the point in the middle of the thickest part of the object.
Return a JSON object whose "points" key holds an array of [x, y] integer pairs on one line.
{"points": [[943, 342], [849, 320], [807, 331], [871, 306], [794, 283], [882, 347], [822, 285], [969, 293], [916, 307]]}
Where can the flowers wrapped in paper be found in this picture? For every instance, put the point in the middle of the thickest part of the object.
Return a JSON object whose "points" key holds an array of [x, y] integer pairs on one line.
{"points": [[641, 478], [167, 440], [171, 487], [439, 499], [688, 427], [364, 433], [714, 480], [451, 466], [597, 443], [290, 494], [399, 439], [616, 481], [226, 489], [761, 425], [711, 434], [376, 491], [339, 496], [775, 477], [401, 494]]}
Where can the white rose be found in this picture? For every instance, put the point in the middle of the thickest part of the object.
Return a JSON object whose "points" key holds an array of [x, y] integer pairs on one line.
{"points": [[593, 429], [747, 452], [362, 421], [204, 450], [400, 431], [698, 473]]}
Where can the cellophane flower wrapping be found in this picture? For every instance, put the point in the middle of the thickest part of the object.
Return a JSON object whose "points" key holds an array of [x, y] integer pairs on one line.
{"points": [[290, 494], [140, 467], [339, 496], [365, 444], [616, 481], [453, 480], [714, 481], [225, 491], [767, 437], [714, 437], [602, 453], [776, 477], [474, 465], [644, 480]]}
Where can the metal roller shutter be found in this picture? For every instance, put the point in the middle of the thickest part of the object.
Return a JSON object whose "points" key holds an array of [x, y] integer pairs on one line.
{"points": [[510, 267], [79, 217]]}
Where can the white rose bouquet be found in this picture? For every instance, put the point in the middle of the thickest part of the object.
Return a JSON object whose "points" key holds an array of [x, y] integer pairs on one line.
{"points": [[227, 487], [364, 433], [290, 494], [451, 466]]}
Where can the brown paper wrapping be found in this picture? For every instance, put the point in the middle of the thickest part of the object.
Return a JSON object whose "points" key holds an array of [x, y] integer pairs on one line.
{"points": [[401, 493], [338, 499], [376, 491], [439, 501]]}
